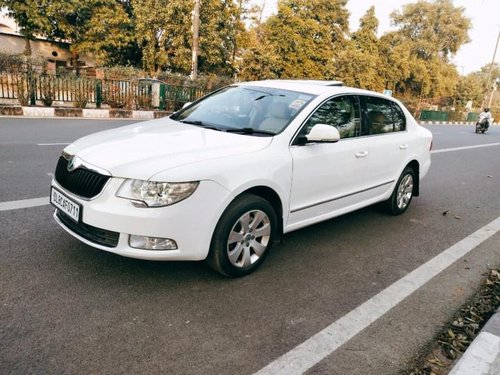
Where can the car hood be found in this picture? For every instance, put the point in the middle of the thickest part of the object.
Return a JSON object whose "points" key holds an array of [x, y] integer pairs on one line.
{"points": [[145, 149]]}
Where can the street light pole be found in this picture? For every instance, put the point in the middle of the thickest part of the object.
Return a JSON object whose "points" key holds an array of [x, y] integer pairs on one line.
{"points": [[196, 39], [491, 71]]}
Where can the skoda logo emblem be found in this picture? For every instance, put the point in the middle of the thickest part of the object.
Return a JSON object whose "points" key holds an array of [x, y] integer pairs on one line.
{"points": [[73, 164]]}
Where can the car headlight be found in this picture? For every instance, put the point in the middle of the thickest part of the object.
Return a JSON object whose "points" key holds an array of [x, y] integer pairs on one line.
{"points": [[155, 194]]}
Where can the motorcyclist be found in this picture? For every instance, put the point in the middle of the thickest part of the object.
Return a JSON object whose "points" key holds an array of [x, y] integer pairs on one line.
{"points": [[486, 113], [485, 117]]}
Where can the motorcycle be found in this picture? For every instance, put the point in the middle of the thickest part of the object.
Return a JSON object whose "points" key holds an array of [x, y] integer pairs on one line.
{"points": [[483, 123]]}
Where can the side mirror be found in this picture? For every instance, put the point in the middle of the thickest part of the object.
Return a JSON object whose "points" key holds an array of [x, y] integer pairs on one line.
{"points": [[323, 133], [186, 104]]}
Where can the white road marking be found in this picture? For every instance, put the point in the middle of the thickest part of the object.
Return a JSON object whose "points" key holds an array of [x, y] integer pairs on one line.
{"points": [[464, 148], [315, 349], [52, 144], [25, 203]]}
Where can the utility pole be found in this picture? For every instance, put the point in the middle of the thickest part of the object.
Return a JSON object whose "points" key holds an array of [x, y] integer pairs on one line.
{"points": [[196, 39], [491, 71]]}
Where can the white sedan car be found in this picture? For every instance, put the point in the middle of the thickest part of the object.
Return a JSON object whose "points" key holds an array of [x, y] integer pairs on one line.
{"points": [[226, 176]]}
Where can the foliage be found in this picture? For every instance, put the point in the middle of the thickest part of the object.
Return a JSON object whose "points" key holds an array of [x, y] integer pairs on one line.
{"points": [[163, 29], [47, 89], [358, 63], [108, 33], [433, 31], [120, 72], [13, 63], [304, 36], [220, 27], [82, 91], [29, 15], [22, 88]]}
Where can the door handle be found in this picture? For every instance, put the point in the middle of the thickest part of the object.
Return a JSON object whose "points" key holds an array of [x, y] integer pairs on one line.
{"points": [[361, 154], [403, 146]]}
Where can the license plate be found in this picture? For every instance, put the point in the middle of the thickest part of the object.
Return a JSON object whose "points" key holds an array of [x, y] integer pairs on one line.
{"points": [[65, 204]]}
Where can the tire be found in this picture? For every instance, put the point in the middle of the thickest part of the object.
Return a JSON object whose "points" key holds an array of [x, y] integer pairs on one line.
{"points": [[403, 193], [243, 236]]}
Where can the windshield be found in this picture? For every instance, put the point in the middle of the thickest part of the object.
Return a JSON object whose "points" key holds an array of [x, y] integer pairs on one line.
{"points": [[251, 110]]}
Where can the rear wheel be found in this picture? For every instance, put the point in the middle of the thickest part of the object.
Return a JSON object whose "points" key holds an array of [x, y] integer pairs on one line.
{"points": [[243, 236], [403, 193]]}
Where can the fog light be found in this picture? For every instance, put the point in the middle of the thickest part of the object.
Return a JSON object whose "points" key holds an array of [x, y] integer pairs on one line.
{"points": [[152, 243]]}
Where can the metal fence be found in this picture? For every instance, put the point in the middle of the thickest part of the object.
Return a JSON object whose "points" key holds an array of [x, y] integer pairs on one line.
{"points": [[132, 94]]}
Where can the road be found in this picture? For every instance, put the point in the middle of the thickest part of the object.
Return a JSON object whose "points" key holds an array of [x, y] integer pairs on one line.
{"points": [[69, 308]]}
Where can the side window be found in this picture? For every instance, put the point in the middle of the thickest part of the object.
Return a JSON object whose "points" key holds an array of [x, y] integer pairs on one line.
{"points": [[341, 112], [384, 116], [399, 118], [379, 115]]}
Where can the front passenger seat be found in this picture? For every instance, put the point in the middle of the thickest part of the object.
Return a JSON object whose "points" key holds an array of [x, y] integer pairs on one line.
{"points": [[278, 116]]}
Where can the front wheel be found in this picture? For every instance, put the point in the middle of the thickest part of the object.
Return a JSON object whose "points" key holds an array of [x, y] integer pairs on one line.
{"points": [[243, 236], [403, 193]]}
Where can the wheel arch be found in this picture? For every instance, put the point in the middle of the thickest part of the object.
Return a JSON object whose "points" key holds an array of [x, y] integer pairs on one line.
{"points": [[273, 198], [415, 165]]}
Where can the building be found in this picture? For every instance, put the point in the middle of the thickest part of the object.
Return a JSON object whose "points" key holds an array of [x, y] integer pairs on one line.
{"points": [[57, 54]]}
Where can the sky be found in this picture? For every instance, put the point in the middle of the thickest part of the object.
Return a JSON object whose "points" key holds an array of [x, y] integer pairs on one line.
{"points": [[484, 14]]}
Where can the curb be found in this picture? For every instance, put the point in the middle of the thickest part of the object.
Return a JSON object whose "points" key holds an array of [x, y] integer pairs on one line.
{"points": [[81, 113], [482, 357]]}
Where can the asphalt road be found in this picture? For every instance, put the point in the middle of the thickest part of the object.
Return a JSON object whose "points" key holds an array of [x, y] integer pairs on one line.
{"points": [[68, 308]]}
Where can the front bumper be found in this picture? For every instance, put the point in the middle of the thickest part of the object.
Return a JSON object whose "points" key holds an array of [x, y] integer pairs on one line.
{"points": [[108, 221]]}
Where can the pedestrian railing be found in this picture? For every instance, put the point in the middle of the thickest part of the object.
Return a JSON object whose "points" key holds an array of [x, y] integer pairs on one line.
{"points": [[81, 91]]}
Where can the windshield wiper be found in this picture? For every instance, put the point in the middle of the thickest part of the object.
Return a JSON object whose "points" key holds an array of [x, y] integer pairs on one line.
{"points": [[200, 123], [267, 95], [249, 131]]}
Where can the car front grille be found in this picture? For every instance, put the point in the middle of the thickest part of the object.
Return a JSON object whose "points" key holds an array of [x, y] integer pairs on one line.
{"points": [[81, 182], [97, 235]]}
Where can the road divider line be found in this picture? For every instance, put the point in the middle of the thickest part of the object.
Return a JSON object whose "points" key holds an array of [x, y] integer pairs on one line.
{"points": [[315, 349], [25, 203], [464, 148]]}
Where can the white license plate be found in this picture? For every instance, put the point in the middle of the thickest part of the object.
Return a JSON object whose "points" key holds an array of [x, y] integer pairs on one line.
{"points": [[66, 205]]}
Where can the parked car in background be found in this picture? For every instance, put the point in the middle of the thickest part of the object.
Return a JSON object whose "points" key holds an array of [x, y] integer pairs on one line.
{"points": [[226, 176]]}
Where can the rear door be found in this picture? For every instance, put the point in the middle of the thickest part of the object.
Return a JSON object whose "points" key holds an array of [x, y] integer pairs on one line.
{"points": [[390, 141]]}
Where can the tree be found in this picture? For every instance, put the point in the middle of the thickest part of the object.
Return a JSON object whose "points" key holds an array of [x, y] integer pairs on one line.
{"points": [[305, 36], [359, 62], [395, 61], [109, 35], [469, 88], [434, 29], [433, 32], [163, 30], [221, 25]]}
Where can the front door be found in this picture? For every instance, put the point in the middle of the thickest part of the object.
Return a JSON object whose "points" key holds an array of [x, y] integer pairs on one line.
{"points": [[330, 178]]}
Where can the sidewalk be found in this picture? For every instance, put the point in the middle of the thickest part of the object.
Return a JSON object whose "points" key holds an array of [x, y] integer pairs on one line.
{"points": [[482, 357], [78, 112]]}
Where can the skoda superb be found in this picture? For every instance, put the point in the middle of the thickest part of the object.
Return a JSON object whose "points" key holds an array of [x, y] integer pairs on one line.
{"points": [[226, 176]]}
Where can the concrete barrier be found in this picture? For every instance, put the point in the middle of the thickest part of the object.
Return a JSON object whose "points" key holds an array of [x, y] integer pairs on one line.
{"points": [[38, 112], [8, 110], [95, 113]]}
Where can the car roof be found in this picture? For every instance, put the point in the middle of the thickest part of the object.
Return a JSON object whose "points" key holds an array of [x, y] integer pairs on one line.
{"points": [[314, 82], [314, 87]]}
